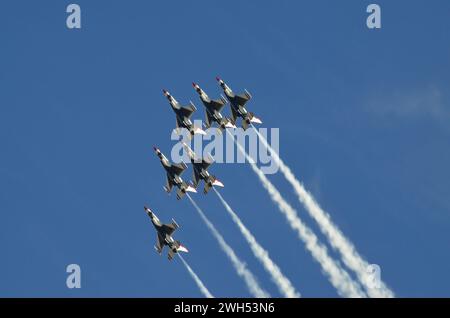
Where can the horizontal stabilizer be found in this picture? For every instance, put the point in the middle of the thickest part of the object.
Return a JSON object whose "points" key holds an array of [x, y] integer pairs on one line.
{"points": [[180, 194], [170, 255]]}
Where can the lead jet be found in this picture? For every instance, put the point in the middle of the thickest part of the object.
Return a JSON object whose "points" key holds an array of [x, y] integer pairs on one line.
{"points": [[183, 115], [212, 109], [164, 235], [237, 103], [201, 166], [173, 171]]}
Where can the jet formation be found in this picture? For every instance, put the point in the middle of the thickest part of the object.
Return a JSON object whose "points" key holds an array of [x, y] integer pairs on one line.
{"points": [[213, 115]]}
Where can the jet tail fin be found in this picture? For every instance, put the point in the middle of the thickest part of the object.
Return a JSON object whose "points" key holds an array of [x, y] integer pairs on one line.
{"points": [[197, 130], [185, 188], [255, 119], [230, 124], [212, 181], [181, 247], [218, 183], [176, 249]]}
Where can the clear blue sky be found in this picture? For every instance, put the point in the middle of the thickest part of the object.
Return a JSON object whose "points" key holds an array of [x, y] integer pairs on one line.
{"points": [[363, 117]]}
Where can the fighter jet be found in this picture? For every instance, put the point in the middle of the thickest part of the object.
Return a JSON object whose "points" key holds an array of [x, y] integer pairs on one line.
{"points": [[212, 109], [201, 166], [237, 103], [174, 171], [183, 115], [164, 235]]}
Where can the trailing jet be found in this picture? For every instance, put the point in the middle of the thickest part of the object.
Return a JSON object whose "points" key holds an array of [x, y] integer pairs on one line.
{"points": [[164, 236], [183, 115], [237, 103], [174, 171], [201, 166], [212, 110]]}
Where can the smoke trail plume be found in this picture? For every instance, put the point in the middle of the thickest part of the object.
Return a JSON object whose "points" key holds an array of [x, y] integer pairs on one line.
{"points": [[350, 256], [197, 280], [284, 285], [239, 266], [337, 276]]}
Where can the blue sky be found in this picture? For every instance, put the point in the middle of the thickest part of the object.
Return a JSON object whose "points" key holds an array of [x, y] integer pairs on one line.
{"points": [[363, 117]]}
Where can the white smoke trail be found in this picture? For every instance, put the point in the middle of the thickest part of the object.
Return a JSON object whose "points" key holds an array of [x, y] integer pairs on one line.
{"points": [[197, 280], [240, 267], [337, 276], [284, 285], [338, 241]]}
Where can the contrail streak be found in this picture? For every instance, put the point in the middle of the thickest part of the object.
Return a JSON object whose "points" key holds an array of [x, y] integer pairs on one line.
{"points": [[240, 267], [284, 285], [337, 276], [336, 238], [197, 280]]}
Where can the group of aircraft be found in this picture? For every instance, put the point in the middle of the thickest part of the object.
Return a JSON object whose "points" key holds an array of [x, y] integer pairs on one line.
{"points": [[213, 108]]}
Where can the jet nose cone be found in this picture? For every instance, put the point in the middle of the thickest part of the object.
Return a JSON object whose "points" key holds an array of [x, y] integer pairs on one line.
{"points": [[165, 92], [196, 87], [218, 78], [147, 210], [155, 149]]}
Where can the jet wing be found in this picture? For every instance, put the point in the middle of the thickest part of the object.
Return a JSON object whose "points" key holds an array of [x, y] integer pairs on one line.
{"points": [[179, 123], [242, 98], [170, 228], [159, 243], [169, 185], [234, 115], [206, 163], [208, 119], [187, 111], [217, 104], [178, 168], [195, 178]]}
